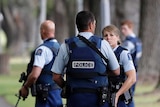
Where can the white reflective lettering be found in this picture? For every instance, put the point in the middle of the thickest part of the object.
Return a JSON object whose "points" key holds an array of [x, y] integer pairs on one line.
{"points": [[83, 64]]}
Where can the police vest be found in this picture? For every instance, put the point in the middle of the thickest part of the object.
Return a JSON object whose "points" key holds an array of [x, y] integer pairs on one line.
{"points": [[85, 67], [138, 49], [46, 74], [121, 77]]}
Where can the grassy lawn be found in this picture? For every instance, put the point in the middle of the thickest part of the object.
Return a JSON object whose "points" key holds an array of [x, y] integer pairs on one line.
{"points": [[146, 97], [9, 86]]}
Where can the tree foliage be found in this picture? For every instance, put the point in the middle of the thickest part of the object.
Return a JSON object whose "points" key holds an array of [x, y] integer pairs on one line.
{"points": [[18, 24]]}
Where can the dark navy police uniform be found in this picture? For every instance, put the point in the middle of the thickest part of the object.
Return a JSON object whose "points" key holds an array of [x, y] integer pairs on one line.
{"points": [[85, 70], [83, 63], [126, 64], [134, 45], [44, 57]]}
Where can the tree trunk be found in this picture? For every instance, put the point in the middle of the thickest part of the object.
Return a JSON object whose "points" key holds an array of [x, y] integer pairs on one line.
{"points": [[4, 64], [94, 7], [149, 31], [17, 27], [60, 16]]}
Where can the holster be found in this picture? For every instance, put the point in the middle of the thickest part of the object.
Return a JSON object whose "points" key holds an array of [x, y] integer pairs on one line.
{"points": [[103, 95], [33, 90], [126, 97], [41, 90], [65, 91]]}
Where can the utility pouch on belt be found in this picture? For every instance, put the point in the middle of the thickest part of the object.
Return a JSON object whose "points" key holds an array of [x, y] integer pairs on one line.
{"points": [[40, 90], [103, 95], [65, 91], [127, 96], [33, 90]]}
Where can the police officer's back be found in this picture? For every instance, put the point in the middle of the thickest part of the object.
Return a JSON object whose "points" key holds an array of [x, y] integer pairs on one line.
{"points": [[46, 91], [85, 69]]}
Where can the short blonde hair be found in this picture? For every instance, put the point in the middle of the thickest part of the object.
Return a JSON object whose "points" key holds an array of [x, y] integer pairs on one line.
{"points": [[113, 29]]}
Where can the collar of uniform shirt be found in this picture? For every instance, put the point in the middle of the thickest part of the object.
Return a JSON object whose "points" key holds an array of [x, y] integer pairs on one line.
{"points": [[115, 48], [132, 35], [87, 35]]}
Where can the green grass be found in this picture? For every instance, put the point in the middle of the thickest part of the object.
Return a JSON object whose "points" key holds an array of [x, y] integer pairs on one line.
{"points": [[9, 86], [146, 97]]}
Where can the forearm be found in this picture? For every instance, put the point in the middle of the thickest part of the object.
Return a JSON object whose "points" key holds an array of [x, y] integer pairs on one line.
{"points": [[59, 79], [30, 81], [126, 85], [33, 76], [131, 79]]}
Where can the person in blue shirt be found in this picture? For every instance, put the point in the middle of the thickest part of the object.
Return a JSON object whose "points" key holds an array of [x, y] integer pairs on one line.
{"points": [[127, 72], [39, 70], [134, 46], [86, 71]]}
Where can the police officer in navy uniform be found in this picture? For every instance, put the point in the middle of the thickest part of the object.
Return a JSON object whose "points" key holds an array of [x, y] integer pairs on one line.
{"points": [[127, 72], [134, 46], [40, 76], [85, 69]]}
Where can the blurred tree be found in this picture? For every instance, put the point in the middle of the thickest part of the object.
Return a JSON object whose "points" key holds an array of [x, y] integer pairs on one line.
{"points": [[149, 31], [125, 9], [41, 17], [64, 17], [94, 6], [18, 24]]}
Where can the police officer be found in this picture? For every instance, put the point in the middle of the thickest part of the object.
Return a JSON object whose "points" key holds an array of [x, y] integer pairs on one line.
{"points": [[133, 44], [85, 69], [40, 76], [128, 75]]}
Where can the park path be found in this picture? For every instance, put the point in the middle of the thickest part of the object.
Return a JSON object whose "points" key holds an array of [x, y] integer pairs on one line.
{"points": [[3, 103]]}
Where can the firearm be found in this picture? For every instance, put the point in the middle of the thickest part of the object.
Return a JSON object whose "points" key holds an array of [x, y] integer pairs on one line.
{"points": [[113, 88], [23, 79], [113, 98], [127, 96]]}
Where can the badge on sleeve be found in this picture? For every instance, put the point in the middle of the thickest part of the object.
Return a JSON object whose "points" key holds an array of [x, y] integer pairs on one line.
{"points": [[129, 56], [39, 52]]}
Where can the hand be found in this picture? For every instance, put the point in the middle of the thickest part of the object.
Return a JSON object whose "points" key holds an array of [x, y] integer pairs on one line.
{"points": [[116, 100], [24, 91]]}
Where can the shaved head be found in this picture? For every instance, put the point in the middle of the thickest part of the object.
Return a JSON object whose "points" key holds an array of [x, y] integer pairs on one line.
{"points": [[47, 29]]}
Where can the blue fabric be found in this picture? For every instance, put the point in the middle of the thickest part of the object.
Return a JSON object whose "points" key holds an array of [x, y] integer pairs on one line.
{"points": [[85, 63], [118, 52], [131, 104], [138, 48], [121, 104], [84, 100], [46, 75], [53, 100], [122, 76], [54, 47]]}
